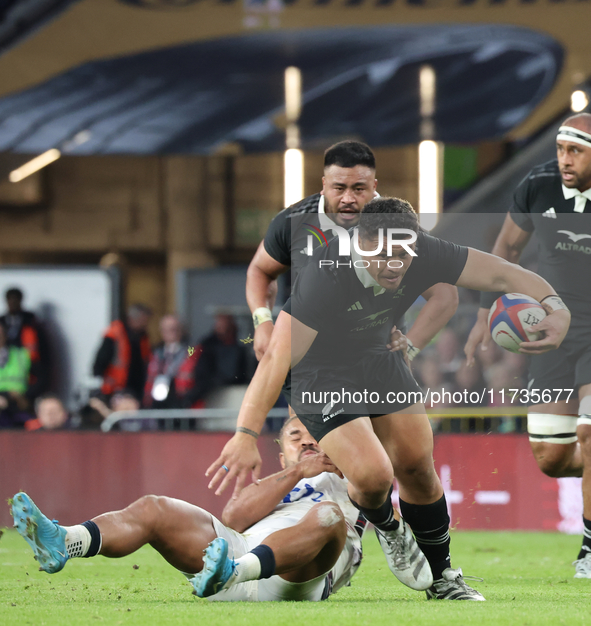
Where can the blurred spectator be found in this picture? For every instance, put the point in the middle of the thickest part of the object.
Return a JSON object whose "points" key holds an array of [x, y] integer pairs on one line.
{"points": [[516, 365], [15, 364], [431, 377], [50, 414], [489, 356], [122, 359], [218, 360], [471, 381], [24, 331], [166, 361], [122, 401], [448, 351], [499, 381]]}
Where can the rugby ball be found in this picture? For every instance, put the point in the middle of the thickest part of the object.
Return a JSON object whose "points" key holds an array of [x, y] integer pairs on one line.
{"points": [[510, 318]]}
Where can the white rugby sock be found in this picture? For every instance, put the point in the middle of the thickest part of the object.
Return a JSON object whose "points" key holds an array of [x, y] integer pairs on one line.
{"points": [[77, 540], [248, 567]]}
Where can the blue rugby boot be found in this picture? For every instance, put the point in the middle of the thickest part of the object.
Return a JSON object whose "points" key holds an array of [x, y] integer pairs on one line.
{"points": [[217, 570], [47, 538]]}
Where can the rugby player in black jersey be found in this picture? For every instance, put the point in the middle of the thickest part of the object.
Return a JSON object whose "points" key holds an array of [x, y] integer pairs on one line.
{"points": [[554, 201], [349, 182], [333, 347]]}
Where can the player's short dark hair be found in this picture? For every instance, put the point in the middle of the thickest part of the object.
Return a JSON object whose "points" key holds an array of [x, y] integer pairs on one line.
{"points": [[349, 154], [14, 292], [387, 213]]}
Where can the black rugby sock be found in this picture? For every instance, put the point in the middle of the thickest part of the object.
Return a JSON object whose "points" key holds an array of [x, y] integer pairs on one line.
{"points": [[383, 517], [95, 538], [586, 547], [430, 526], [267, 558]]}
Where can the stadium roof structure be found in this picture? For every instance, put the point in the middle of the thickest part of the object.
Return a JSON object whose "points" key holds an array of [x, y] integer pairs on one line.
{"points": [[198, 97]]}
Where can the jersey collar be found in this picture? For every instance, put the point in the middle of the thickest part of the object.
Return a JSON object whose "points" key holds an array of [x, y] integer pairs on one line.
{"points": [[363, 275], [580, 197]]}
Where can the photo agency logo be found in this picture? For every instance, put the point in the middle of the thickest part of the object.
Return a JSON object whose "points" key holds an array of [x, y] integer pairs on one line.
{"points": [[388, 237]]}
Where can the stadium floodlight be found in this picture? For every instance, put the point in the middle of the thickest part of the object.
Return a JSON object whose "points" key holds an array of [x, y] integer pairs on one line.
{"points": [[430, 152], [293, 93], [429, 182], [427, 90], [293, 163], [579, 100], [34, 165], [293, 176]]}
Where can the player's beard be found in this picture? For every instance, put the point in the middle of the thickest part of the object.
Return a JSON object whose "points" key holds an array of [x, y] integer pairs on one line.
{"points": [[578, 181]]}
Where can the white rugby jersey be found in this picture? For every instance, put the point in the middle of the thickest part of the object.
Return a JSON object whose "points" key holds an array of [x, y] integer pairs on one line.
{"points": [[326, 487]]}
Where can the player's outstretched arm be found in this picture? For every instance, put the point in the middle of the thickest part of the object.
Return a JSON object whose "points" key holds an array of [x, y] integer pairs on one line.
{"points": [[509, 245], [261, 291], [479, 335], [256, 501], [441, 304], [240, 456], [511, 241], [486, 272]]}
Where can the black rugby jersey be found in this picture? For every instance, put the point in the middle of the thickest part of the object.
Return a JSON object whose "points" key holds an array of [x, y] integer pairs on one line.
{"points": [[564, 235], [353, 320], [287, 244]]}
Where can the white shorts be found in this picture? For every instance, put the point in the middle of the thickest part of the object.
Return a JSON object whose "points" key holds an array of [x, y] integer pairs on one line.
{"points": [[276, 588]]}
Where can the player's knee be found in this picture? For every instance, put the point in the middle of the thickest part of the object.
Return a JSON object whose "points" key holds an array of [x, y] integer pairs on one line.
{"points": [[584, 437], [416, 469], [150, 508], [374, 485], [550, 460], [329, 517]]}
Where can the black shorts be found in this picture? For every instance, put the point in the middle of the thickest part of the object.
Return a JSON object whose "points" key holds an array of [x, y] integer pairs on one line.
{"points": [[567, 367], [328, 397]]}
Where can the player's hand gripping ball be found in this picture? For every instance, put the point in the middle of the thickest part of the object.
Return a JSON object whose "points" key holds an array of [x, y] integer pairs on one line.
{"points": [[510, 319]]}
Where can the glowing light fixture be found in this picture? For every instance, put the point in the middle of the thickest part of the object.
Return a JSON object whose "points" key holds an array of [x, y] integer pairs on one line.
{"points": [[34, 165], [430, 152], [427, 90], [293, 162], [293, 176], [579, 101], [293, 93], [430, 187]]}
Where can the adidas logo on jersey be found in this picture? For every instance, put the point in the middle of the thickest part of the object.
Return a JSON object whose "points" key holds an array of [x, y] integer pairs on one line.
{"points": [[355, 307], [550, 213]]}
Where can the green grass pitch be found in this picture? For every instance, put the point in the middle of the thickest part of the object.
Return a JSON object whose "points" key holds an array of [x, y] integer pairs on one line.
{"points": [[528, 580]]}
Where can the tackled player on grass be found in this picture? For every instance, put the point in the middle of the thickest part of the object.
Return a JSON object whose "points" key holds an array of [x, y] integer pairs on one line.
{"points": [[292, 536]]}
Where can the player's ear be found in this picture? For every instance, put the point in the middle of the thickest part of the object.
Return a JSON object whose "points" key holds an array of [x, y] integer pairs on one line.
{"points": [[375, 184], [282, 460]]}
